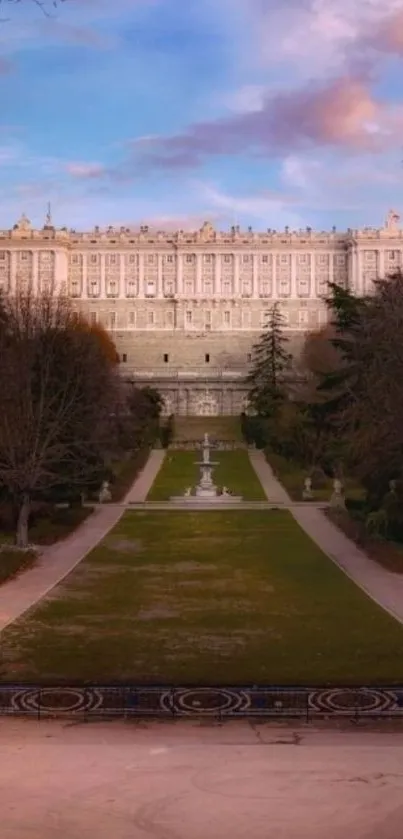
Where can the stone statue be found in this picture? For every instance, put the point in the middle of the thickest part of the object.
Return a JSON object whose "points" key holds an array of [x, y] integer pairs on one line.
{"points": [[188, 492], [307, 491], [225, 491], [337, 499], [105, 493], [392, 220]]}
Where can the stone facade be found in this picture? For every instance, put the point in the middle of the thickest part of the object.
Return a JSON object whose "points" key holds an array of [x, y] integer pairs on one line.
{"points": [[185, 308]]}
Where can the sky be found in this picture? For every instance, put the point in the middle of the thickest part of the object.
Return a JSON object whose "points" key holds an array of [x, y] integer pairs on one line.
{"points": [[262, 113]]}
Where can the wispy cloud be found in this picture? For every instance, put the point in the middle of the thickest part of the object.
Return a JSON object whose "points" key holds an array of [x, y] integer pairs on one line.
{"points": [[85, 171], [341, 113]]}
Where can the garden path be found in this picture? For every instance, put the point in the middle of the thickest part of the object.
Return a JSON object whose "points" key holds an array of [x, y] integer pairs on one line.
{"points": [[383, 586], [56, 561]]}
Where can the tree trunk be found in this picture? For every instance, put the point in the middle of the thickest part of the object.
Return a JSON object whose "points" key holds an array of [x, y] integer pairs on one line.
{"points": [[22, 522]]}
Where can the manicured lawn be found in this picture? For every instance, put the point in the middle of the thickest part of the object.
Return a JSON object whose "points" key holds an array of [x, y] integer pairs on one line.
{"points": [[234, 471], [215, 597]]}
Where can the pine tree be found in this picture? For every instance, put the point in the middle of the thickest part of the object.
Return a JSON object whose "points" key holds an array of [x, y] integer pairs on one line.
{"points": [[347, 312], [270, 363]]}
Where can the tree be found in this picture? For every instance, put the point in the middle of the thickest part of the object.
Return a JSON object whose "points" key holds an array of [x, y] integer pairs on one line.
{"points": [[270, 364], [373, 415], [56, 383]]}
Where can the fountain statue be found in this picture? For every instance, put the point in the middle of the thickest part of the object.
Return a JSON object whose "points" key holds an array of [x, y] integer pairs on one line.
{"points": [[206, 491]]}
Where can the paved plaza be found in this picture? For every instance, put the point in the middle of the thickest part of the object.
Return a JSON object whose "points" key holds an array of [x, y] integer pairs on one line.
{"points": [[185, 780]]}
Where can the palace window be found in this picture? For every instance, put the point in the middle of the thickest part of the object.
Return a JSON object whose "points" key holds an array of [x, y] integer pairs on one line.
{"points": [[227, 258], [170, 259], [166, 358], [150, 259], [207, 320], [303, 317], [245, 257], [112, 320], [189, 317], [189, 257], [94, 257], [249, 357], [93, 318], [124, 357], [169, 318], [207, 257], [265, 258], [132, 318], [227, 288], [227, 318], [150, 318], [132, 258], [112, 259], [207, 358]]}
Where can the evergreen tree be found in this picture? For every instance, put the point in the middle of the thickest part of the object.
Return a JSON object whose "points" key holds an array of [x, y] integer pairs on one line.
{"points": [[270, 363], [348, 312]]}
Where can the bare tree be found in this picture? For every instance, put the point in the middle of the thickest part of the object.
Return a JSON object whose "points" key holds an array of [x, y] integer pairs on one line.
{"points": [[55, 385]]}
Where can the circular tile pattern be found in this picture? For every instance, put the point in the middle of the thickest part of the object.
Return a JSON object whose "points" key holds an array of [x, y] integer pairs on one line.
{"points": [[339, 701], [205, 701], [56, 700]]}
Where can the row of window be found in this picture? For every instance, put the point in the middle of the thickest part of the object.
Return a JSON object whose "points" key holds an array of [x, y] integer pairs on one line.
{"points": [[190, 258], [165, 357], [226, 320]]}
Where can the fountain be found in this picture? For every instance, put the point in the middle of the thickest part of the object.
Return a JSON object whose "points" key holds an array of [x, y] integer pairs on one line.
{"points": [[206, 491]]}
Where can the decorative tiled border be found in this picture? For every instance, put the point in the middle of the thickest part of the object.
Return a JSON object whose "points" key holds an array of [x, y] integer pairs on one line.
{"points": [[217, 702]]}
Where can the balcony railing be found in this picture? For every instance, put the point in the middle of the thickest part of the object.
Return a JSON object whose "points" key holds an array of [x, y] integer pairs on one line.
{"points": [[183, 375]]}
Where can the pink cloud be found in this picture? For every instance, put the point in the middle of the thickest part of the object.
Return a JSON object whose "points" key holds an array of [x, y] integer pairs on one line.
{"points": [[341, 114], [85, 171], [388, 36]]}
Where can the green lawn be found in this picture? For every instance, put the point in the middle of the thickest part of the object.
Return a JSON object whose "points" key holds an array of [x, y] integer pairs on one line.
{"points": [[214, 597], [234, 471]]}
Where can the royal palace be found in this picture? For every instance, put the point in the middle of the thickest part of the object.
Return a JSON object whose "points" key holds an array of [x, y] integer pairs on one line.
{"points": [[185, 308]]}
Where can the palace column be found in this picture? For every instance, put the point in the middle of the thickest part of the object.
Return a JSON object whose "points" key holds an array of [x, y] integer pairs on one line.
{"points": [[158, 290], [255, 280], [381, 262], [141, 275], [293, 289], [198, 274], [235, 289], [312, 277], [274, 290], [84, 290], [35, 279], [179, 274], [217, 274], [102, 276], [122, 289]]}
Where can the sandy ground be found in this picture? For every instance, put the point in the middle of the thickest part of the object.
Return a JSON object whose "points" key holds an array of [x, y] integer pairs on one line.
{"points": [[190, 780]]}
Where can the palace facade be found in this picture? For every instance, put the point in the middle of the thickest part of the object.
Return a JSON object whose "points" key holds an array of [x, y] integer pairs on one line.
{"points": [[185, 308]]}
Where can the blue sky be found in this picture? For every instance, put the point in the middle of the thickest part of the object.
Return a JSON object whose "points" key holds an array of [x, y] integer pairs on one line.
{"points": [[255, 112]]}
